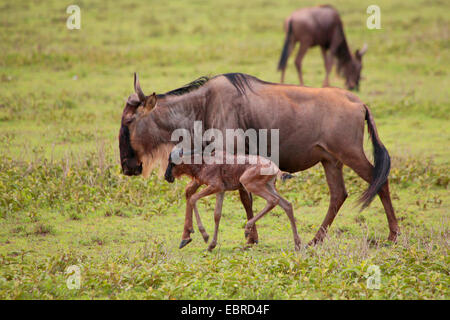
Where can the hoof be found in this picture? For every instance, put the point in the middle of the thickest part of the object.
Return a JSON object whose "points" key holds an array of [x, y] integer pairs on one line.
{"points": [[314, 242], [211, 248], [184, 242], [206, 238], [246, 234], [393, 236]]}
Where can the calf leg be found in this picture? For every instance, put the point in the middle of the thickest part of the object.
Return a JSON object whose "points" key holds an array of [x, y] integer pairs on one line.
{"points": [[190, 204], [338, 194], [272, 201], [287, 207], [260, 188], [200, 226], [217, 216], [247, 201], [191, 188]]}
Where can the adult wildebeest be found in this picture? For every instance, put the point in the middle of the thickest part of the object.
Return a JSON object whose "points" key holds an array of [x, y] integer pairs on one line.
{"points": [[315, 125], [321, 26]]}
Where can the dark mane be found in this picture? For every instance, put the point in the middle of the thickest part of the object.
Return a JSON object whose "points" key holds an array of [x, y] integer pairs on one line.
{"points": [[189, 87], [342, 54], [241, 81]]}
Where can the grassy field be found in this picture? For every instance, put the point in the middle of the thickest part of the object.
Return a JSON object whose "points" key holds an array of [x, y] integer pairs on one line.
{"points": [[63, 200]]}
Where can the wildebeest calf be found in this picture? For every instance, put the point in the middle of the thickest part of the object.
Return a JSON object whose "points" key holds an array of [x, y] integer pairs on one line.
{"points": [[224, 172]]}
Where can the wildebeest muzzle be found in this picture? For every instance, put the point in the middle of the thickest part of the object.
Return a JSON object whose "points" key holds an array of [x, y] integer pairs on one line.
{"points": [[131, 168]]}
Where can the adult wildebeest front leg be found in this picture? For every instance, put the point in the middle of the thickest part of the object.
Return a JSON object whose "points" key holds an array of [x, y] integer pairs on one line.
{"points": [[328, 54], [247, 201]]}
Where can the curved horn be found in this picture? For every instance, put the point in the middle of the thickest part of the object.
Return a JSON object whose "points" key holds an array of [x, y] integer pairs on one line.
{"points": [[137, 88], [363, 49]]}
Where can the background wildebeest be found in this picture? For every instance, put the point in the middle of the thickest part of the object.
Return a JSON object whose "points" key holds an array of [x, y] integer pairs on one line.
{"points": [[316, 125], [321, 26]]}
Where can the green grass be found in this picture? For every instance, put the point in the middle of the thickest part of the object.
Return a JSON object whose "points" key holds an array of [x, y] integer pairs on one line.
{"points": [[64, 202]]}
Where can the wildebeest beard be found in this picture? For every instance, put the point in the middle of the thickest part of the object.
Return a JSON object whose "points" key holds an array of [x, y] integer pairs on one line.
{"points": [[128, 159]]}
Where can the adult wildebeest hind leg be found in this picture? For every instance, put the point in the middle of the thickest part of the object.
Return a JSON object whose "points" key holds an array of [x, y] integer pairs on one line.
{"points": [[355, 158], [362, 166]]}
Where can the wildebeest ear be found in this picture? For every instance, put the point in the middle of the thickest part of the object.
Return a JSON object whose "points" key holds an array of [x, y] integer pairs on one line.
{"points": [[137, 88], [150, 102], [360, 53]]}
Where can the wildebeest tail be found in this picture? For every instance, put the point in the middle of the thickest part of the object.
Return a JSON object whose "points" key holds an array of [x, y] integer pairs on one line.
{"points": [[382, 163], [285, 53]]}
